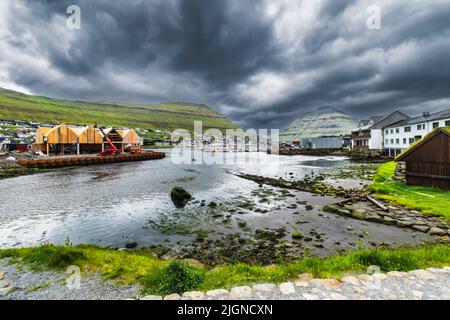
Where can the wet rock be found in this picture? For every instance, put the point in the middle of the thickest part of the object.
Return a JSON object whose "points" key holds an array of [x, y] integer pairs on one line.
{"points": [[180, 197], [358, 214], [407, 223], [309, 207], [437, 232], [170, 255], [421, 228], [242, 224], [389, 221], [194, 263], [373, 217], [297, 235], [212, 204], [131, 245]]}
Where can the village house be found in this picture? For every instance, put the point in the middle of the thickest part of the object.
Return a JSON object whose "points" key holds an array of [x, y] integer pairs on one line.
{"points": [[427, 163], [400, 136], [369, 134]]}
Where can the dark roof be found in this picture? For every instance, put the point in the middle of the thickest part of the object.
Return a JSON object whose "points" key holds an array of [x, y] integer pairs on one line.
{"points": [[433, 116], [390, 119], [378, 122], [445, 130]]}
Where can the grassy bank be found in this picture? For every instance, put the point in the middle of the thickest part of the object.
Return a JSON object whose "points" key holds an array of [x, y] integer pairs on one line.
{"points": [[427, 200], [165, 277]]}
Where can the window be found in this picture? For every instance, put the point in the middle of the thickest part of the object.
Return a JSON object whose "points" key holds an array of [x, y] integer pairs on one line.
{"points": [[404, 140], [397, 141], [419, 127], [392, 141], [387, 131], [392, 130], [411, 140], [435, 125], [387, 141], [447, 123], [397, 130], [408, 129]]}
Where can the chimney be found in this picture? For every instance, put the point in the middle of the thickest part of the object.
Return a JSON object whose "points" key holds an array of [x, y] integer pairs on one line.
{"points": [[426, 114]]}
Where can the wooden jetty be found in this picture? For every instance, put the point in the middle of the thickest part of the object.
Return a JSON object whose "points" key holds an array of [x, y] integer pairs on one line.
{"points": [[88, 160]]}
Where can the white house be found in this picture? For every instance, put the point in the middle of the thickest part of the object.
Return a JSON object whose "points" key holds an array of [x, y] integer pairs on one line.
{"points": [[399, 136], [369, 134]]}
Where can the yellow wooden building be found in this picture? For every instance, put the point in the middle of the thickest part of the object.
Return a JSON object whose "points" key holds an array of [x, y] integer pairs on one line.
{"points": [[68, 139]]}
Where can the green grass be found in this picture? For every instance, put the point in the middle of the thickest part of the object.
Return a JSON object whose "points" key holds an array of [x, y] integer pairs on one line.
{"points": [[163, 277], [170, 116], [427, 200]]}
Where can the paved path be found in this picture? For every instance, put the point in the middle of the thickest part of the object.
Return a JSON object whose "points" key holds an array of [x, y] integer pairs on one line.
{"points": [[430, 284]]}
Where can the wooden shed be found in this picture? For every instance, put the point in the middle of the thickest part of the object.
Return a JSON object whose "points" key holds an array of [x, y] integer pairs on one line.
{"points": [[428, 161]]}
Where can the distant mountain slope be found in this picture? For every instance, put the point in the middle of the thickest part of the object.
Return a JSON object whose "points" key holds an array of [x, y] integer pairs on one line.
{"points": [[326, 121], [171, 115]]}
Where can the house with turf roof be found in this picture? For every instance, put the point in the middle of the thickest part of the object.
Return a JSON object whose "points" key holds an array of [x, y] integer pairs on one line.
{"points": [[427, 162]]}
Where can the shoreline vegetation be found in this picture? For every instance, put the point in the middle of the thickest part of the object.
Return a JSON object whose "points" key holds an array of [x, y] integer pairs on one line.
{"points": [[427, 200], [164, 277]]}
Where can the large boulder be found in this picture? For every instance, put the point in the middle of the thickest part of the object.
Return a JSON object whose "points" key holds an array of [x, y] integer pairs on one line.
{"points": [[180, 197]]}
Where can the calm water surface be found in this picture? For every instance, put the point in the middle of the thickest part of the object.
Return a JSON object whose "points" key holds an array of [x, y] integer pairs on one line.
{"points": [[112, 204]]}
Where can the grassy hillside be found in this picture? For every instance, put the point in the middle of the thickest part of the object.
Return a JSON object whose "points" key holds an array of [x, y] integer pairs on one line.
{"points": [[15, 105]]}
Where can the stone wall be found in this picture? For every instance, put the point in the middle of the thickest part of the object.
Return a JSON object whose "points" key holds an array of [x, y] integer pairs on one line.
{"points": [[400, 172]]}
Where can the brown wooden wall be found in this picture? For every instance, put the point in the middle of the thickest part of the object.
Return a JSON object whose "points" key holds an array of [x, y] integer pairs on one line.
{"points": [[437, 149], [428, 174], [429, 164]]}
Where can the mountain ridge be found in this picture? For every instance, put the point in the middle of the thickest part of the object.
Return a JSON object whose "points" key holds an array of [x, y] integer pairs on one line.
{"points": [[164, 115], [325, 121]]}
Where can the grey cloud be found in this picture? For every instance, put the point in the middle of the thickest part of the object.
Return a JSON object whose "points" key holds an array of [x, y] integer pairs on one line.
{"points": [[212, 51]]}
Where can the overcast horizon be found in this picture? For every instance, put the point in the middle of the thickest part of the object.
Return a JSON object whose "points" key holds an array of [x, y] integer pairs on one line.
{"points": [[259, 63]]}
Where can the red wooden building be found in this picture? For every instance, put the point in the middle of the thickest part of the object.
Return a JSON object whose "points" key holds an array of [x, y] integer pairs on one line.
{"points": [[428, 161]]}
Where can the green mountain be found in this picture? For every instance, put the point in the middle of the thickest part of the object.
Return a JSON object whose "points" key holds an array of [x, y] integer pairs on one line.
{"points": [[169, 116], [324, 122]]}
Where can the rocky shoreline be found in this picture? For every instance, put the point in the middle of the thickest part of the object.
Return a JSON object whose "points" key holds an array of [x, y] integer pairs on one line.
{"points": [[394, 215], [312, 184], [360, 157]]}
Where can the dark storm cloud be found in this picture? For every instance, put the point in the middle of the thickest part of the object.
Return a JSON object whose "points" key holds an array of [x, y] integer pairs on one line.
{"points": [[261, 63]]}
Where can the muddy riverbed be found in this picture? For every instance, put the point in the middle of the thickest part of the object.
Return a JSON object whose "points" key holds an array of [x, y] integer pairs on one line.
{"points": [[230, 219]]}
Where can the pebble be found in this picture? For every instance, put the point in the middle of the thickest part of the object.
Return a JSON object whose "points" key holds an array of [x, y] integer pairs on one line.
{"points": [[328, 283], [423, 274], [152, 298], [217, 293], [437, 232], [172, 297], [287, 288], [350, 279], [240, 293], [396, 274], [193, 295], [265, 287]]}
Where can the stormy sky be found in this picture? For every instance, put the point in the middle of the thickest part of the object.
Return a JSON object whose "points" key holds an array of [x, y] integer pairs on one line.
{"points": [[259, 62]]}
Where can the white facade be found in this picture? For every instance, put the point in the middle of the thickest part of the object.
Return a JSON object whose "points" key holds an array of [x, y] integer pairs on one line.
{"points": [[400, 138], [376, 139]]}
